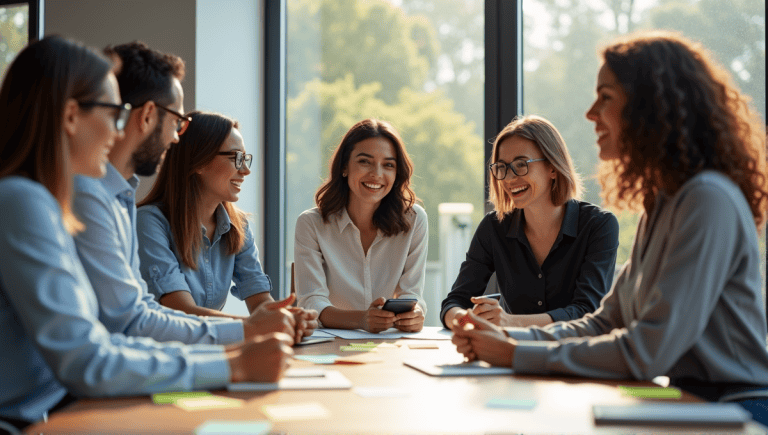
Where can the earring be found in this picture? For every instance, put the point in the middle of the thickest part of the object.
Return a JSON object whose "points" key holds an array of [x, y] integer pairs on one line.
{"points": [[554, 183], [344, 174]]}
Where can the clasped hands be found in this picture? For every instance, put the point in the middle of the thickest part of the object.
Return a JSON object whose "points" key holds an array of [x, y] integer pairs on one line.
{"points": [[479, 339], [280, 316]]}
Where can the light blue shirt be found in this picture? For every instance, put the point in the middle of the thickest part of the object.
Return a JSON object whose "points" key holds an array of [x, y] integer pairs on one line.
{"points": [[164, 272], [52, 340], [108, 250]]}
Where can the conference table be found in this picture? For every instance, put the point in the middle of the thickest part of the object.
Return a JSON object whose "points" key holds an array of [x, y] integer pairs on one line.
{"points": [[405, 401]]}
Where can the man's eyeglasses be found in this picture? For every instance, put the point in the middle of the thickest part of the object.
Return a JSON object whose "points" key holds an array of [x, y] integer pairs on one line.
{"points": [[122, 111], [239, 158], [518, 166], [182, 123]]}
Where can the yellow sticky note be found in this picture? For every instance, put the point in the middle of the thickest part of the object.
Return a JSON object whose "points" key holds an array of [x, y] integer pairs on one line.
{"points": [[207, 403]]}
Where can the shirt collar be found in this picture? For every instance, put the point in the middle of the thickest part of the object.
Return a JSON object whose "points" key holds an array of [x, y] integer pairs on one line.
{"points": [[569, 227], [223, 222], [343, 219], [116, 185]]}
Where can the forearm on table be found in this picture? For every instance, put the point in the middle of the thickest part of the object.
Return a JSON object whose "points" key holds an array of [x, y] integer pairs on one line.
{"points": [[332, 317], [526, 320]]}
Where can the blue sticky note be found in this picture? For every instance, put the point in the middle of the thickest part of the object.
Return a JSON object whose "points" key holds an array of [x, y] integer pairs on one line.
{"points": [[318, 359], [511, 403], [223, 427]]}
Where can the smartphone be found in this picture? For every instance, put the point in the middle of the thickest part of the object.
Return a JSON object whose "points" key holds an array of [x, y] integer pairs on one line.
{"points": [[306, 341], [496, 296], [398, 306]]}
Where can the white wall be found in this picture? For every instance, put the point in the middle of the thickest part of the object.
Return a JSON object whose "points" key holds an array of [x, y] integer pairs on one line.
{"points": [[229, 48]]}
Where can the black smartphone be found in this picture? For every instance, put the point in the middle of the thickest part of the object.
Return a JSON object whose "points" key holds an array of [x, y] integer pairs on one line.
{"points": [[306, 341], [398, 306], [496, 296]]}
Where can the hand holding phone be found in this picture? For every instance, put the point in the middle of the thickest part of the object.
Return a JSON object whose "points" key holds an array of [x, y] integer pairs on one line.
{"points": [[487, 307], [398, 306]]}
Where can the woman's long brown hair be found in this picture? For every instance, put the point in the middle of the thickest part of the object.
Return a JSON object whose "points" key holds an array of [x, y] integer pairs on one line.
{"points": [[177, 190]]}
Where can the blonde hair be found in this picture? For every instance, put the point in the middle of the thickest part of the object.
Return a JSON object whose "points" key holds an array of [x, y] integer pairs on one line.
{"points": [[567, 183]]}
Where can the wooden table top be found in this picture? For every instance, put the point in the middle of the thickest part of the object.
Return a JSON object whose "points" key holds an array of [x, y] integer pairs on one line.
{"points": [[433, 405]]}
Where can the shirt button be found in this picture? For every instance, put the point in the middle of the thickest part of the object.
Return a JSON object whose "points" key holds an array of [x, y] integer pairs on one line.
{"points": [[539, 301], [129, 193], [209, 284], [539, 278], [206, 260]]}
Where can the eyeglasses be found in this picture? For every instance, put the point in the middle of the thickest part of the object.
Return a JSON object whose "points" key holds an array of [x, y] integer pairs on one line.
{"points": [[182, 123], [240, 158], [122, 111], [518, 166]]}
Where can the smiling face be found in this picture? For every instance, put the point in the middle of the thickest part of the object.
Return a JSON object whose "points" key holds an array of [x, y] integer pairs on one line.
{"points": [[534, 187], [149, 155], [220, 180], [371, 170], [606, 114], [96, 133]]}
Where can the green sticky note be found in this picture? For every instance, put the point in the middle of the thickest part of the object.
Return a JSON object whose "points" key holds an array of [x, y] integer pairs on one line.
{"points": [[652, 392], [500, 403], [356, 348], [171, 398], [369, 344], [329, 358]]}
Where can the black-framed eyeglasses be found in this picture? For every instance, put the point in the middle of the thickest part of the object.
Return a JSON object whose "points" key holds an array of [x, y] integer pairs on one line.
{"points": [[518, 166], [239, 158], [182, 123], [122, 111]]}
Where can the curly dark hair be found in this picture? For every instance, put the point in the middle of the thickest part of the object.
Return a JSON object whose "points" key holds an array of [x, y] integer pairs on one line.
{"points": [[145, 74], [683, 115], [333, 195]]}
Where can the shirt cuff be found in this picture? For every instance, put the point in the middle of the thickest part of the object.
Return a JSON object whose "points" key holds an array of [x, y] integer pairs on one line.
{"points": [[212, 371], [531, 356], [160, 285], [248, 289], [520, 334], [229, 332], [559, 315]]}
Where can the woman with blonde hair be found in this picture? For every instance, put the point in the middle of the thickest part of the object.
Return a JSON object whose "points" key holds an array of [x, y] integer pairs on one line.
{"points": [[681, 143], [554, 256]]}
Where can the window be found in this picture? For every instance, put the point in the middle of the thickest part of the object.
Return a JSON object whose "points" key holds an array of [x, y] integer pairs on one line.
{"points": [[417, 64], [14, 32], [560, 63]]}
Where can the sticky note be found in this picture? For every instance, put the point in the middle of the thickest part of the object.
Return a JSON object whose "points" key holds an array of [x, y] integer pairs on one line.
{"points": [[423, 346], [207, 403], [170, 398], [223, 427], [357, 349], [360, 359], [511, 403], [329, 358], [651, 392], [296, 411]]}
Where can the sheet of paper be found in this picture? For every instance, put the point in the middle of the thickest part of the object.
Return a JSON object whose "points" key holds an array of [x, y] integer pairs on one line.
{"points": [[207, 403], [372, 392], [296, 411], [170, 398], [475, 368], [333, 380], [428, 333], [321, 333], [226, 427], [503, 403], [328, 358], [651, 392]]}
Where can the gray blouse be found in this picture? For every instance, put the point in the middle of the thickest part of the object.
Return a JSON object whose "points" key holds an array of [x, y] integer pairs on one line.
{"points": [[687, 304]]}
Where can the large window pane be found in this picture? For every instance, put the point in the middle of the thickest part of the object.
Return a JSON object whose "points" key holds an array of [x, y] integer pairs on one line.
{"points": [[14, 33], [560, 41], [415, 63]]}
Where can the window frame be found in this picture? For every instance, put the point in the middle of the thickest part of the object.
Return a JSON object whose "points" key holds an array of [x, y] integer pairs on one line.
{"points": [[36, 14]]}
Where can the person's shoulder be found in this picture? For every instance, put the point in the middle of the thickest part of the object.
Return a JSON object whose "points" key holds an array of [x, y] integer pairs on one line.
{"points": [[712, 192], [89, 186], [150, 212], [418, 213], [23, 198], [589, 212], [313, 218]]}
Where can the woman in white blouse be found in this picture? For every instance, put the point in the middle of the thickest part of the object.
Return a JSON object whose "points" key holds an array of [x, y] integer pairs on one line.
{"points": [[366, 241]]}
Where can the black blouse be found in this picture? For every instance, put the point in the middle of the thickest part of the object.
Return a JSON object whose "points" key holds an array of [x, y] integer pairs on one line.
{"points": [[576, 274]]}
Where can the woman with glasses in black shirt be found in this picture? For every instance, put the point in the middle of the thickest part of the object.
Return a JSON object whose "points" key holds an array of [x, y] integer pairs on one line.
{"points": [[554, 256]]}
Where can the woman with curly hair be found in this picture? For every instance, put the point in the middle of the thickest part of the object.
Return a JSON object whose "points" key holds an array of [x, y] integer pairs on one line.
{"points": [[366, 241], [681, 143]]}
